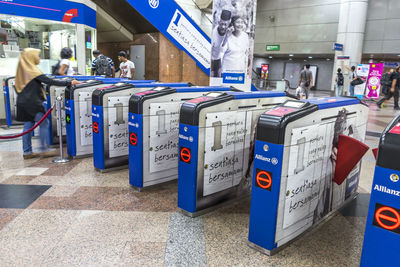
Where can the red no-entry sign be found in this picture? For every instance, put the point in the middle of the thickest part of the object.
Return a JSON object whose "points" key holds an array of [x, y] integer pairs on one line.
{"points": [[185, 155], [95, 127], [388, 218], [264, 179], [133, 139]]}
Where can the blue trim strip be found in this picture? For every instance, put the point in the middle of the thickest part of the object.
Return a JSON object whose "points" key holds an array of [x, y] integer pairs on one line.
{"points": [[258, 94], [333, 102]]}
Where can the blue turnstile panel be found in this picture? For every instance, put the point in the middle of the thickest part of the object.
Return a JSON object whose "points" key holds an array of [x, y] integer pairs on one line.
{"points": [[110, 144], [382, 231], [10, 100], [153, 133], [295, 154], [216, 134]]}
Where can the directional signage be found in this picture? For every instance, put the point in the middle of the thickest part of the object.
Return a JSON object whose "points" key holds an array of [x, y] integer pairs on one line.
{"points": [[133, 139], [95, 127], [338, 47], [68, 118], [273, 47], [387, 218], [185, 155], [264, 179]]}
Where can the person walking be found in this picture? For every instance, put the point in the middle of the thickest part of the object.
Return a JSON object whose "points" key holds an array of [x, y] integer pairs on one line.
{"points": [[65, 63], [339, 82], [305, 82], [352, 77], [102, 65], [127, 67], [30, 98], [394, 90]]}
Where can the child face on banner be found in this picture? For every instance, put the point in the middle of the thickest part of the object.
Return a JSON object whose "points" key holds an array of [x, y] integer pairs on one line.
{"points": [[239, 25]]}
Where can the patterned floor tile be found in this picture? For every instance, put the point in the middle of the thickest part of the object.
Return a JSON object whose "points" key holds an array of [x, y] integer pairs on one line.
{"points": [[7, 215], [32, 171], [19, 196]]}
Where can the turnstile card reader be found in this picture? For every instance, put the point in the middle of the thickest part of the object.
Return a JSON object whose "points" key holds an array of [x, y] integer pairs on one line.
{"points": [[296, 151], [215, 139], [78, 117], [382, 231], [154, 130], [10, 100], [52, 93], [110, 120]]}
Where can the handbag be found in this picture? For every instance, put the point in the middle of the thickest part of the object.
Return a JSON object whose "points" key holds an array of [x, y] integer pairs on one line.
{"points": [[357, 82]]}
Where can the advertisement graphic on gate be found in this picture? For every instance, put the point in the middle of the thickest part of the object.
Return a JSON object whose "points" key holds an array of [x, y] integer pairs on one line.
{"points": [[374, 80], [232, 43], [311, 192]]}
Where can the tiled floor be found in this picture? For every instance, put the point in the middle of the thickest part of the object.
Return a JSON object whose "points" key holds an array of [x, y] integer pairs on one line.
{"points": [[70, 215]]}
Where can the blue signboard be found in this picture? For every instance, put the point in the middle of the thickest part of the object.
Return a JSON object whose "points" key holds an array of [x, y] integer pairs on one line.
{"points": [[64, 11], [338, 47], [170, 19]]}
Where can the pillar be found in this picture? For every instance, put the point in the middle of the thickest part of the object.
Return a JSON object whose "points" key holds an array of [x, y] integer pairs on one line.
{"points": [[351, 31], [81, 49]]}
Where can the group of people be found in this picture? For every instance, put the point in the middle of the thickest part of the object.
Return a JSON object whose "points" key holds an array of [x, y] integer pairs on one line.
{"points": [[101, 65], [29, 82]]}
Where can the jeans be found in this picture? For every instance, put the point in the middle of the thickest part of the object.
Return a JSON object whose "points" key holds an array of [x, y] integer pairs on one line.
{"points": [[351, 90], [339, 90], [43, 132]]}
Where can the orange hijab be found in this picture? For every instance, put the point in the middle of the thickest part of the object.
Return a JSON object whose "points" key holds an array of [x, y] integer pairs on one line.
{"points": [[27, 69]]}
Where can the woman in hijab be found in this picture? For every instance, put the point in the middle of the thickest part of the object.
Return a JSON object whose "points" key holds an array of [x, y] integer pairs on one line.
{"points": [[31, 95]]}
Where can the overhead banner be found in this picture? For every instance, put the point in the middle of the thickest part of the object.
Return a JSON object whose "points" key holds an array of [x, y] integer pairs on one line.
{"points": [[233, 43], [374, 80]]}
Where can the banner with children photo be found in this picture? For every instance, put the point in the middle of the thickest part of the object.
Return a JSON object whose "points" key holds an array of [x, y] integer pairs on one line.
{"points": [[233, 43]]}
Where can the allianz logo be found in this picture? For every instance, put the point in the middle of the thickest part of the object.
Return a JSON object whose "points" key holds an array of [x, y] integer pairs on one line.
{"points": [[136, 125], [68, 108], [95, 115], [154, 3], [190, 138], [386, 190], [274, 161]]}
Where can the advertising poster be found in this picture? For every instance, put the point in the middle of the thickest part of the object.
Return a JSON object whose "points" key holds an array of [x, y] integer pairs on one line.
{"points": [[374, 80], [118, 126], [232, 43], [311, 192], [264, 71]]}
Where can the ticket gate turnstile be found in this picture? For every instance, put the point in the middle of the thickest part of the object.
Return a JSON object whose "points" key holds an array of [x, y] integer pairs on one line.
{"points": [[79, 118], [216, 133], [296, 157], [153, 133], [10, 100], [110, 123], [382, 231], [52, 93]]}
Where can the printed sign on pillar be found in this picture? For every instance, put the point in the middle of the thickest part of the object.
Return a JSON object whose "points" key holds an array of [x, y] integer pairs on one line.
{"points": [[233, 43], [374, 80]]}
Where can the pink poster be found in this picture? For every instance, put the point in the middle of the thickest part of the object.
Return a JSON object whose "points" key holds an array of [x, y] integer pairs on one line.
{"points": [[374, 80]]}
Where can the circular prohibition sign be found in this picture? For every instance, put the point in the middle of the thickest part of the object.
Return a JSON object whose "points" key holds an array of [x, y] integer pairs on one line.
{"points": [[396, 219], [133, 139], [95, 127], [264, 179], [185, 155]]}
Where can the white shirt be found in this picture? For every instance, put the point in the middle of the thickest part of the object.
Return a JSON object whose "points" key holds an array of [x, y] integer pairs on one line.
{"points": [[236, 56], [126, 69], [70, 70], [217, 40]]}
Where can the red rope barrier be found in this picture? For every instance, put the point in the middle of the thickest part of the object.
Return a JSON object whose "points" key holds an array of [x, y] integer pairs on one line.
{"points": [[31, 129]]}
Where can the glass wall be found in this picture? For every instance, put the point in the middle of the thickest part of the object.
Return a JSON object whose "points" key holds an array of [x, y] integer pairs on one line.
{"points": [[17, 33]]}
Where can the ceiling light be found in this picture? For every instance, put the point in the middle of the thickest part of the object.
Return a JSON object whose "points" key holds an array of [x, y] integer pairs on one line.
{"points": [[290, 58], [328, 59], [309, 56], [270, 56], [291, 55], [398, 55]]}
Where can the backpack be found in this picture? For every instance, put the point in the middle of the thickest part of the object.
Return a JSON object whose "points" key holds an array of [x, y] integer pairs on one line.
{"points": [[55, 68], [103, 66], [340, 79]]}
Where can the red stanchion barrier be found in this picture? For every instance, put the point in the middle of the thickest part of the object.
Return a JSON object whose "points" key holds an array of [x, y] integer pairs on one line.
{"points": [[31, 129]]}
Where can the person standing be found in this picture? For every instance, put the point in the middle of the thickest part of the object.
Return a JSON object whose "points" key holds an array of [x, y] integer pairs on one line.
{"points": [[127, 67], [102, 65], [219, 35], [394, 90], [352, 77], [339, 82], [236, 47], [305, 82], [31, 95], [65, 63]]}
